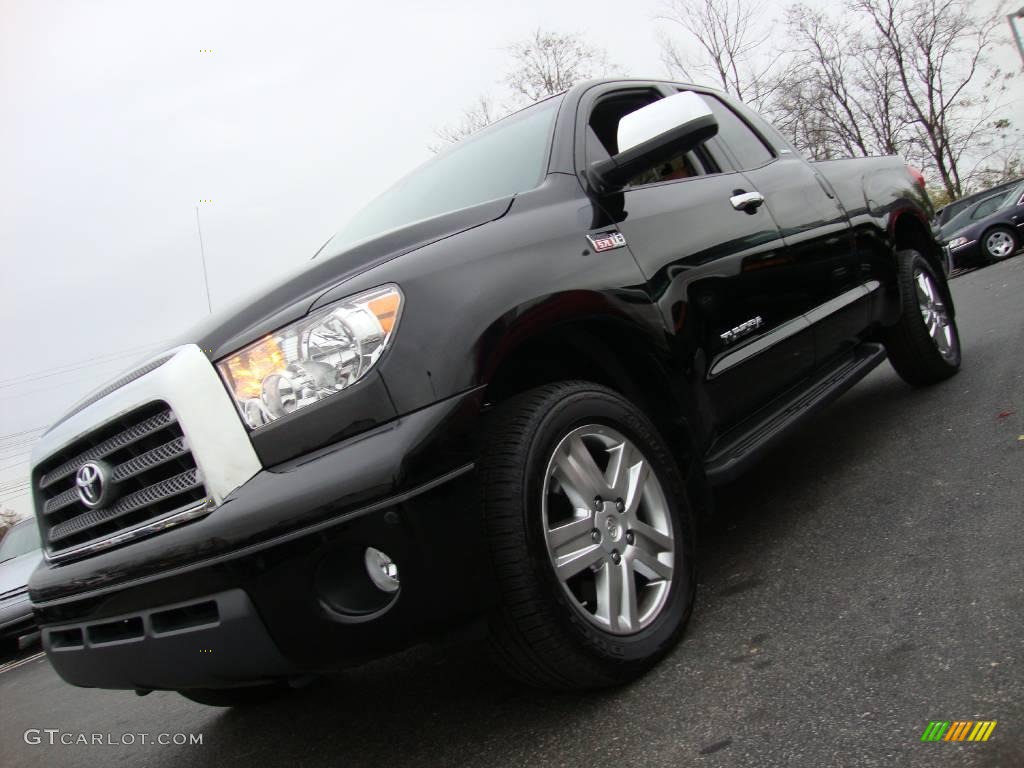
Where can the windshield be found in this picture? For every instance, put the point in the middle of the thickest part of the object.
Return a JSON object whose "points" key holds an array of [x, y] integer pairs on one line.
{"points": [[20, 540], [501, 160]]}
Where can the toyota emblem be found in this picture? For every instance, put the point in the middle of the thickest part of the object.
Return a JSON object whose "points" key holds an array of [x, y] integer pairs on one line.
{"points": [[92, 482]]}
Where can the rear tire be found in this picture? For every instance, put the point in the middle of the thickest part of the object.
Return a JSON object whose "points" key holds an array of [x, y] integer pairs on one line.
{"points": [[924, 345], [249, 696], [625, 585]]}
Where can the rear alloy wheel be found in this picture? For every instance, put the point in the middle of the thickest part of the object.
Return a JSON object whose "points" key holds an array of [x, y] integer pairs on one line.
{"points": [[591, 538], [924, 344], [935, 313], [1000, 243]]}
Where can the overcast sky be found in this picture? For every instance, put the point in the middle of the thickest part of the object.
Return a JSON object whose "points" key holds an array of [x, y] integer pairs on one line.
{"points": [[117, 122]]}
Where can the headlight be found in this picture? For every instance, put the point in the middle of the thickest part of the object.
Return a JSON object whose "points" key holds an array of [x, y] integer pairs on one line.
{"points": [[956, 242], [313, 358]]}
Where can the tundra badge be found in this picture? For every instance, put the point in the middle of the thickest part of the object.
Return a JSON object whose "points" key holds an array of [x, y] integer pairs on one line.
{"points": [[741, 330]]}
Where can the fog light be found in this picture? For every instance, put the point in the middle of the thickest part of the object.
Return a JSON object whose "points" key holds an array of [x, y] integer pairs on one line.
{"points": [[382, 570]]}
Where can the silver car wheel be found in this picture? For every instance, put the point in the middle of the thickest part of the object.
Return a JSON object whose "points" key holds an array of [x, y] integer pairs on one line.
{"points": [[999, 245], [934, 313], [608, 529]]}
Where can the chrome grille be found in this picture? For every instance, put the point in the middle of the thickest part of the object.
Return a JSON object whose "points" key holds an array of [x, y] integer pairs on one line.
{"points": [[107, 447], [152, 470], [150, 459]]}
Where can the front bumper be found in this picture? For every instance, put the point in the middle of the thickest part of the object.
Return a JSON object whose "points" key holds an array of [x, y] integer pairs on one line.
{"points": [[217, 641], [282, 560], [966, 255]]}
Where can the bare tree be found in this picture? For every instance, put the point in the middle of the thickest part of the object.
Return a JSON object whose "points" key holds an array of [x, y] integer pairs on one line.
{"points": [[548, 63], [937, 51], [544, 64], [1004, 162], [907, 77], [799, 116], [840, 97], [482, 114], [727, 42]]}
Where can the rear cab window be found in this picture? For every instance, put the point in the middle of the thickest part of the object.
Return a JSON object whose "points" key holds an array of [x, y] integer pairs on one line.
{"points": [[747, 147]]}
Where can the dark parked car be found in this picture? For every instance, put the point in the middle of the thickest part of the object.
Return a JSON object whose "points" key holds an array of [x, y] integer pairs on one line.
{"points": [[990, 230], [946, 214], [500, 392], [20, 553]]}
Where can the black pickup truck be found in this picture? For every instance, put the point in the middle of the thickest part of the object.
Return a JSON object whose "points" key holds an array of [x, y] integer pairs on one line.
{"points": [[496, 398]]}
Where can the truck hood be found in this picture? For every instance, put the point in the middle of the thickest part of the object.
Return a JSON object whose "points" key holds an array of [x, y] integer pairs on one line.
{"points": [[293, 296]]}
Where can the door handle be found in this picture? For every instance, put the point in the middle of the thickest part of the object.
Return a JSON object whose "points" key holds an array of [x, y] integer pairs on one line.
{"points": [[748, 202]]}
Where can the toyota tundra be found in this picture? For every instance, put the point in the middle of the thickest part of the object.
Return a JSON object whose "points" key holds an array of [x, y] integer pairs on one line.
{"points": [[497, 397]]}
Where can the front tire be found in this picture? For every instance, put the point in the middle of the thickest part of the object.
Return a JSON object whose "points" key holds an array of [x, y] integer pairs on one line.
{"points": [[591, 535], [924, 344]]}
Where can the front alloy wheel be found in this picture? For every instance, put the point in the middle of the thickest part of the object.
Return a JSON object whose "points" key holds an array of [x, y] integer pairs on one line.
{"points": [[591, 537], [608, 529]]}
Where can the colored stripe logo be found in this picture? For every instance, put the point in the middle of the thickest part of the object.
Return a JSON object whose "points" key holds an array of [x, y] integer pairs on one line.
{"points": [[958, 730]]}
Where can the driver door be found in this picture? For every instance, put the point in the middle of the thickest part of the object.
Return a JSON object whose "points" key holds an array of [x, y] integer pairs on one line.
{"points": [[720, 273]]}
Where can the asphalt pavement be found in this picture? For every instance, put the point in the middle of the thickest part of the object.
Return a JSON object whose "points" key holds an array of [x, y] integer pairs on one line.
{"points": [[862, 581]]}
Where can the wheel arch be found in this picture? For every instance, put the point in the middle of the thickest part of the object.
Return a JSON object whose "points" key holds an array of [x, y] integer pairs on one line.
{"points": [[910, 232], [611, 352]]}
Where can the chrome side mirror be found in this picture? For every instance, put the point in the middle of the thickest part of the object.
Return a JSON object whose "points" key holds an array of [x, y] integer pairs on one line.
{"points": [[653, 134]]}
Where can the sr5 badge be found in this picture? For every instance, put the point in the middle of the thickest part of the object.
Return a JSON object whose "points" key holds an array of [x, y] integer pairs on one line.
{"points": [[607, 241]]}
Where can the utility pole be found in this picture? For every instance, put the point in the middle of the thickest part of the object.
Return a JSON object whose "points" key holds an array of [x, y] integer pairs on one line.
{"points": [[1010, 19], [202, 255]]}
